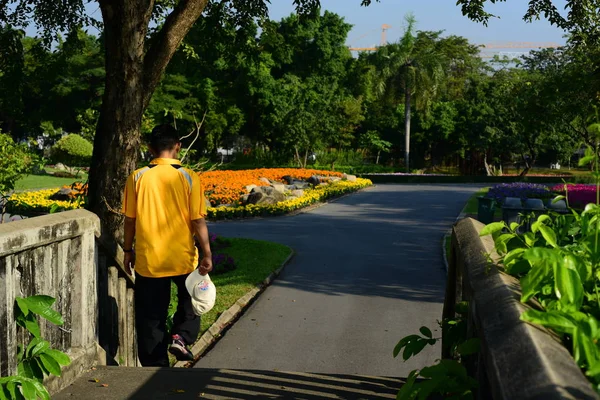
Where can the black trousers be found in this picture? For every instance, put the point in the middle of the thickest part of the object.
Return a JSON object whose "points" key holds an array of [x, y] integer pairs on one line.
{"points": [[152, 298]]}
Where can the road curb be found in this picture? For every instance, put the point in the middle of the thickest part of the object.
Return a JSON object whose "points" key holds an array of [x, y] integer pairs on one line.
{"points": [[231, 315]]}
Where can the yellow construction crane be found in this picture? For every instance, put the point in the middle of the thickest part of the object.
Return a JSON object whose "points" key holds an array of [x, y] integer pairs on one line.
{"points": [[495, 45]]}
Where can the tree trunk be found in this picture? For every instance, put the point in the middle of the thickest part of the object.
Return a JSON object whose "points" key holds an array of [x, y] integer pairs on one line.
{"points": [[118, 131], [407, 128], [377, 160], [131, 77]]}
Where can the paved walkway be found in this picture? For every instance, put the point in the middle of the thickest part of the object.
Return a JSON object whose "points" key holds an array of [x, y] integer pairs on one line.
{"points": [[368, 271]]}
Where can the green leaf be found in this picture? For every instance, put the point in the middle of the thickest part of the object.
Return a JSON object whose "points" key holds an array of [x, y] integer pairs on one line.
{"points": [[514, 226], [568, 286], [41, 305], [492, 228], [549, 235], [39, 370], [556, 320], [34, 342], [403, 342], [583, 268], [41, 390], [425, 331], [32, 326], [585, 351], [469, 347], [29, 391], [15, 393], [407, 391], [22, 305], [533, 282], [40, 348], [59, 356], [558, 198], [51, 365]]}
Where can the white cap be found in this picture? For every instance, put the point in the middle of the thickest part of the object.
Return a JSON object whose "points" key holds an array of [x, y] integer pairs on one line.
{"points": [[203, 292]]}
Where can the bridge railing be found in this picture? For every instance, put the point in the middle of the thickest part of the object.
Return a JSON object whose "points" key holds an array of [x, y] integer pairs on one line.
{"points": [[517, 360], [61, 255]]}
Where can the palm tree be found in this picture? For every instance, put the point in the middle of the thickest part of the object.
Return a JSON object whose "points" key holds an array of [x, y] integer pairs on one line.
{"points": [[412, 69]]}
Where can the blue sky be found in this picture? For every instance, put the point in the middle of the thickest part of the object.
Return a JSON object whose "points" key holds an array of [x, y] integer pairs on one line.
{"points": [[430, 14], [433, 15]]}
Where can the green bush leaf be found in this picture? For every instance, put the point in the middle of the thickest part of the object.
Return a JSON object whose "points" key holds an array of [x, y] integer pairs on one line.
{"points": [[41, 305], [492, 228], [533, 282], [425, 331], [568, 286], [549, 235], [403, 342], [469, 347], [59, 356], [407, 392], [556, 320], [51, 365]]}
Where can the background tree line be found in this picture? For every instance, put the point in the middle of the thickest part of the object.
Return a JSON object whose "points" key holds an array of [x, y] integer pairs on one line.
{"points": [[292, 88]]}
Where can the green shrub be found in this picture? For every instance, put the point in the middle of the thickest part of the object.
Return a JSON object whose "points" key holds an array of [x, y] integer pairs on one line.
{"points": [[16, 161], [73, 151]]}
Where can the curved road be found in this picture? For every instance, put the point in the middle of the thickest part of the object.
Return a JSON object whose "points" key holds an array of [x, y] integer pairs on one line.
{"points": [[368, 271]]}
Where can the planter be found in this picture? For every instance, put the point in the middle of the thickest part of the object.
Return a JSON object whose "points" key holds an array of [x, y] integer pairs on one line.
{"points": [[486, 208]]}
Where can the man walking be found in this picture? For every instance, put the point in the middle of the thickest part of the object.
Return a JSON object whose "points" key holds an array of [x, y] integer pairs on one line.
{"points": [[164, 209]]}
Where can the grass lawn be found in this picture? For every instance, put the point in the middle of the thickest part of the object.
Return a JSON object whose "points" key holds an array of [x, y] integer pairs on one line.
{"points": [[472, 204], [32, 182], [255, 260]]}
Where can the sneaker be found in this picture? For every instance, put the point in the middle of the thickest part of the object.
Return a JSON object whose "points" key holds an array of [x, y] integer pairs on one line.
{"points": [[180, 350]]}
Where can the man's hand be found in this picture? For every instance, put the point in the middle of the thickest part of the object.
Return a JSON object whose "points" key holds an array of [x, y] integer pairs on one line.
{"points": [[129, 262], [205, 266]]}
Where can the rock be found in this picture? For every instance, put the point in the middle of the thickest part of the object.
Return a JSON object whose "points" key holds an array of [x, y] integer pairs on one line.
{"points": [[244, 199], [350, 178], [280, 187], [255, 197], [266, 190], [335, 179], [60, 166], [63, 194], [250, 187], [314, 180], [265, 195], [301, 185], [265, 180], [298, 193], [290, 187], [288, 179]]}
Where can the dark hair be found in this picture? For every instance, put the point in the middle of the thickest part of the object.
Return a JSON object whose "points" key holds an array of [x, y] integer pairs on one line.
{"points": [[163, 137]]}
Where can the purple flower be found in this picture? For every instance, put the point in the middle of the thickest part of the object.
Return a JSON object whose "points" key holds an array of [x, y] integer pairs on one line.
{"points": [[519, 190]]}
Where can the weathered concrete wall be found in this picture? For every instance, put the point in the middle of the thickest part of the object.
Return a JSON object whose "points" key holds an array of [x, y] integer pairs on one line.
{"points": [[54, 255], [517, 360], [59, 255]]}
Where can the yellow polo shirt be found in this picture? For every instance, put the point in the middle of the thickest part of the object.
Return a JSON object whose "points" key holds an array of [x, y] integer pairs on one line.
{"points": [[164, 198]]}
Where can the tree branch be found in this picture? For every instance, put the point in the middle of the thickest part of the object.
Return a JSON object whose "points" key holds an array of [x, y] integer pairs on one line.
{"points": [[176, 26]]}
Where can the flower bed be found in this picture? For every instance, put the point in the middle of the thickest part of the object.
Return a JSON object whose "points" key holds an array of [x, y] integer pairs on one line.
{"points": [[221, 187], [311, 196], [519, 190], [226, 187], [578, 195]]}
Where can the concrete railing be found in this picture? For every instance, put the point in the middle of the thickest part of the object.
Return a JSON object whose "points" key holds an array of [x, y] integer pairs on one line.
{"points": [[517, 360], [58, 255]]}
